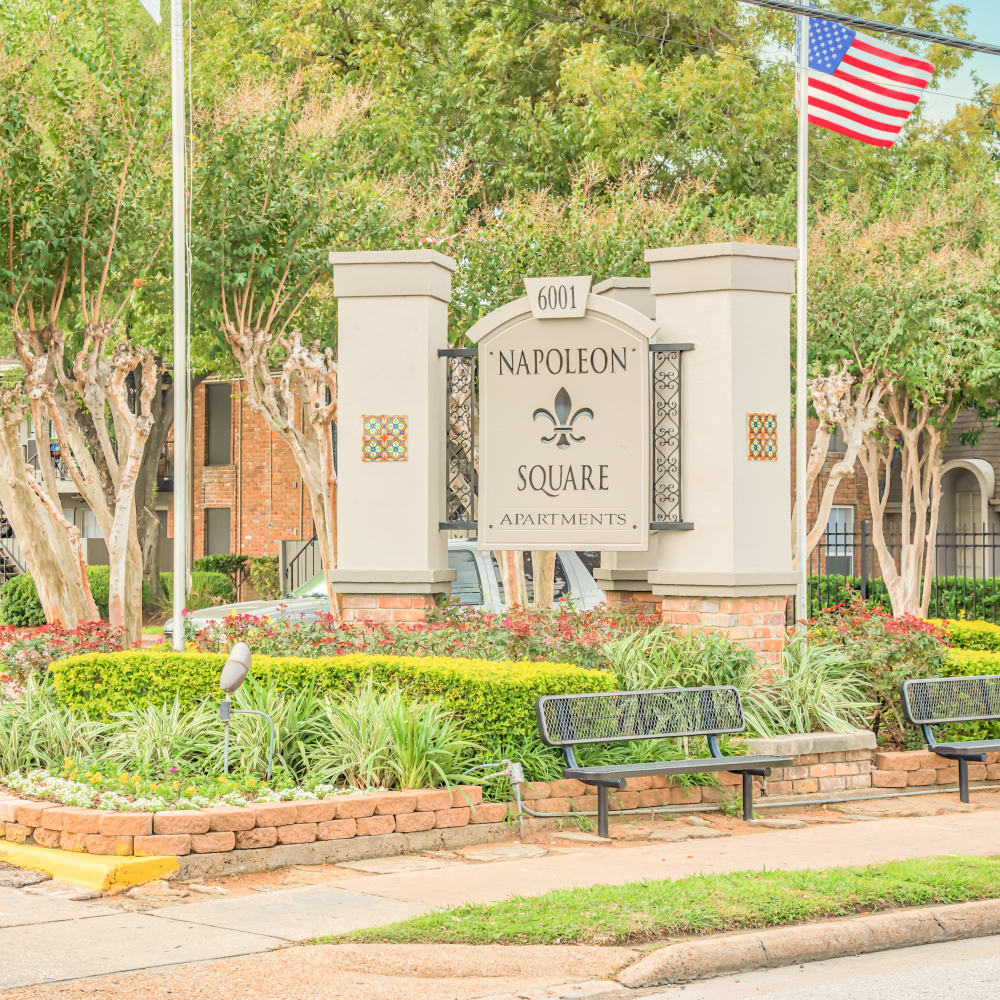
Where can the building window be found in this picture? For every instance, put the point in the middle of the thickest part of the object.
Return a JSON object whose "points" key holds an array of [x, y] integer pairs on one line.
{"points": [[840, 541], [216, 531], [838, 446], [89, 529], [218, 423]]}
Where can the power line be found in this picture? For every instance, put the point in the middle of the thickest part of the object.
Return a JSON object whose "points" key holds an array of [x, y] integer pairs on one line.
{"points": [[660, 40], [867, 24]]}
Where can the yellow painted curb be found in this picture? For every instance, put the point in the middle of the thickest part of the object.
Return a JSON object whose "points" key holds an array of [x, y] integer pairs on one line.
{"points": [[101, 873]]}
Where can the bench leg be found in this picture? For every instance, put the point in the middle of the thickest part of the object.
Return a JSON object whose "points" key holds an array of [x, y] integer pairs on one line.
{"points": [[747, 796], [602, 811], [963, 779]]}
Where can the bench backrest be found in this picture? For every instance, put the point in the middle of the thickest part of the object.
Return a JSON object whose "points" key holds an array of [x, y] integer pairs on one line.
{"points": [[951, 699], [612, 716]]}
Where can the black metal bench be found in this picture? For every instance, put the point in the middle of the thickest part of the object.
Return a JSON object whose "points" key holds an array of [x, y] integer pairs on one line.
{"points": [[939, 700], [570, 720]]}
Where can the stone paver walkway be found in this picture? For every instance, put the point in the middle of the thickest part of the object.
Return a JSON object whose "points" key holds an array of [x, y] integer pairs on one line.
{"points": [[45, 939]]}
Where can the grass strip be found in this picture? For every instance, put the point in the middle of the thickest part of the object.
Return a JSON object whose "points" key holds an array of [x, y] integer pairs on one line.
{"points": [[699, 904]]}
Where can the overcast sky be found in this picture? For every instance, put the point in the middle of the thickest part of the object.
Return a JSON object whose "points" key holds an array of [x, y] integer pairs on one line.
{"points": [[984, 25]]}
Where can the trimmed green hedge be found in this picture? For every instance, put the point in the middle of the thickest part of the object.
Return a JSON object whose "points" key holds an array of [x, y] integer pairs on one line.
{"points": [[971, 635], [496, 701]]}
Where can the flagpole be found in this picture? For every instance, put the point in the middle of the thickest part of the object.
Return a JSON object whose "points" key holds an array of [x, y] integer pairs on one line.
{"points": [[802, 315], [180, 383]]}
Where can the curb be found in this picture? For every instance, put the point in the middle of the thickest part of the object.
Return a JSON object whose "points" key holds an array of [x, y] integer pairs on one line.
{"points": [[769, 949], [103, 874]]}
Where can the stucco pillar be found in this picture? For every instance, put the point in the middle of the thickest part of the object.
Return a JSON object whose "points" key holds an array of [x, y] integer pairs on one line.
{"points": [[392, 318], [624, 576], [733, 571]]}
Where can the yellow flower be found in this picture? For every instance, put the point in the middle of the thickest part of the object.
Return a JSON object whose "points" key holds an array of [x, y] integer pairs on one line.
{"points": [[223, 779], [94, 780], [190, 790], [177, 785], [251, 782], [73, 776], [67, 761]]}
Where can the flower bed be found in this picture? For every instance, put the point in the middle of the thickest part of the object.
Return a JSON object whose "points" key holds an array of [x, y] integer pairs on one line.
{"points": [[519, 635], [26, 650]]}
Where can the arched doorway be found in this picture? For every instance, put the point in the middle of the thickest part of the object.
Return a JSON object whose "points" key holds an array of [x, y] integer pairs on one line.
{"points": [[967, 486]]}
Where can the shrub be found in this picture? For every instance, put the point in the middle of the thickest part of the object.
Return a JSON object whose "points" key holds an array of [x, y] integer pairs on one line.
{"points": [[208, 589], [952, 597], [662, 658], [378, 738], [495, 702], [19, 604], [36, 731], [23, 651], [887, 650], [229, 564], [100, 585], [971, 634], [818, 688], [264, 577]]}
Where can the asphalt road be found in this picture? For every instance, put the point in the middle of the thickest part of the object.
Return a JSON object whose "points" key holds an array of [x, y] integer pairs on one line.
{"points": [[956, 970]]}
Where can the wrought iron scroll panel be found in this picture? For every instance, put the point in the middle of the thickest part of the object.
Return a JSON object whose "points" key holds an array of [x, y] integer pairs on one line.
{"points": [[665, 371], [461, 474]]}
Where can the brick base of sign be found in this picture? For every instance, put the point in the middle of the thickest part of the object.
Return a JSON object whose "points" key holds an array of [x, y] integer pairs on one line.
{"points": [[921, 768], [387, 607], [757, 622], [644, 600]]}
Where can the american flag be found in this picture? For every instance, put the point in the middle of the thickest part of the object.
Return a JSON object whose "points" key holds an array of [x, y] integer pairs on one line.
{"points": [[860, 86]]}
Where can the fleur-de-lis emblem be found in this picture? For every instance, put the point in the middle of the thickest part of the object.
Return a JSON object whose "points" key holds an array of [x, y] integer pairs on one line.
{"points": [[562, 422]]}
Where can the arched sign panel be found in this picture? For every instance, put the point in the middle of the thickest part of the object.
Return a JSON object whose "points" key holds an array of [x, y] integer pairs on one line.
{"points": [[564, 421]]}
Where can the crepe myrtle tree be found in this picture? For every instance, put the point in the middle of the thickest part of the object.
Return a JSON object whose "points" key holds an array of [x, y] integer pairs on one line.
{"points": [[79, 186], [262, 236], [51, 547], [904, 301]]}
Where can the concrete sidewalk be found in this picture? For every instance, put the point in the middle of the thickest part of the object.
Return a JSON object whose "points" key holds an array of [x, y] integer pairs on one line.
{"points": [[45, 939]]}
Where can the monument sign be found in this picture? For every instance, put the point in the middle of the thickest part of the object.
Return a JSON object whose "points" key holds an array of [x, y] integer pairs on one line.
{"points": [[564, 421]]}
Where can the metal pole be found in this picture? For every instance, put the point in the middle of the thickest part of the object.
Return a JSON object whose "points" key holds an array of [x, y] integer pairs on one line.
{"points": [[801, 357], [177, 128]]}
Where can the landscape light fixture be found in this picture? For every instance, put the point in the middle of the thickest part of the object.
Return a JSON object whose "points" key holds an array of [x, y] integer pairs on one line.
{"points": [[234, 673]]}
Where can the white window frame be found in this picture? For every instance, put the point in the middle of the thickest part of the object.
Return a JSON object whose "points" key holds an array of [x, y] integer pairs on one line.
{"points": [[841, 549]]}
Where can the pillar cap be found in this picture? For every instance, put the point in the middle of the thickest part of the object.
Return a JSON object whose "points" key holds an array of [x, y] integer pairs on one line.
{"points": [[390, 273], [710, 267]]}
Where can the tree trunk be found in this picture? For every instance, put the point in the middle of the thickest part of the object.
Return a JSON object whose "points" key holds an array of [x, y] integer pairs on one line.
{"points": [[908, 577], [515, 583], [51, 548], [543, 565]]}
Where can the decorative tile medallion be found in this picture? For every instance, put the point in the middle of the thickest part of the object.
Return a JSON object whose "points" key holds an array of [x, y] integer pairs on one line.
{"points": [[762, 437], [383, 438]]}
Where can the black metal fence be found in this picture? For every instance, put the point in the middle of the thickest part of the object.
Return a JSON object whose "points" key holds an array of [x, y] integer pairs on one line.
{"points": [[966, 581]]}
